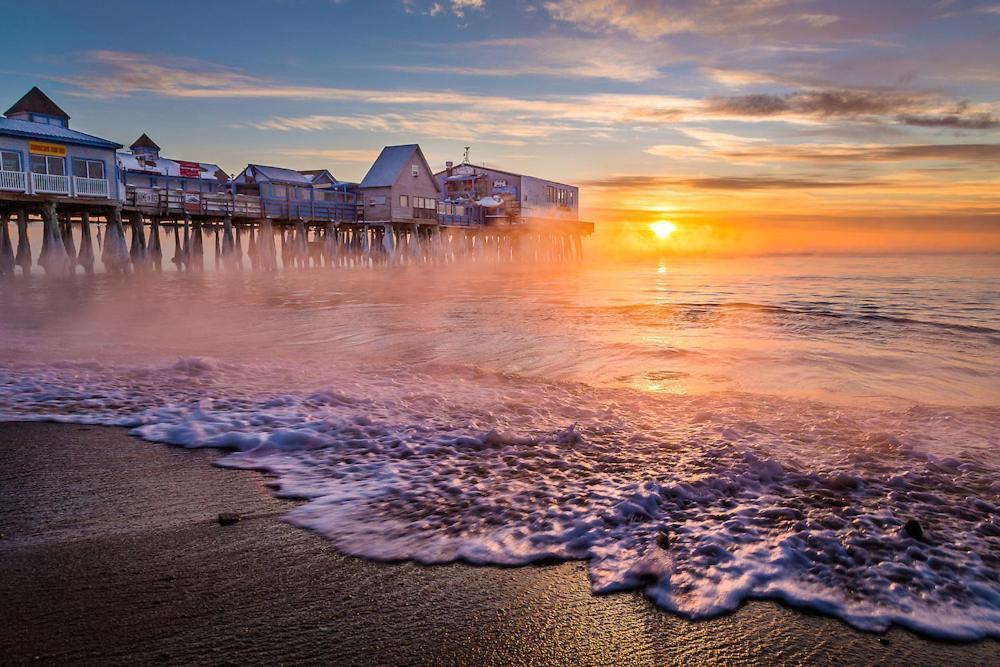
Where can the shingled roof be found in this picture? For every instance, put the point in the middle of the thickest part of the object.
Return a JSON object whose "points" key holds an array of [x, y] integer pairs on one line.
{"points": [[390, 164], [35, 101], [145, 142]]}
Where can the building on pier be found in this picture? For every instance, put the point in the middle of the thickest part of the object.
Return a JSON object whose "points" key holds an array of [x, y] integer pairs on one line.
{"points": [[400, 187], [475, 195], [286, 194], [322, 179], [42, 159], [164, 187]]}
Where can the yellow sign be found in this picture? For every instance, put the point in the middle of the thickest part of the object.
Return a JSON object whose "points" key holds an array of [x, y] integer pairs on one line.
{"points": [[42, 148]]}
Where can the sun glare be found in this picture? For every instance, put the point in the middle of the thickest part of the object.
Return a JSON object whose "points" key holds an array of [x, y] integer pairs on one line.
{"points": [[663, 229]]}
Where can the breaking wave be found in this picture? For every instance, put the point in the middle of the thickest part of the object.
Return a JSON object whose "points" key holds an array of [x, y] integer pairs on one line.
{"points": [[876, 516]]}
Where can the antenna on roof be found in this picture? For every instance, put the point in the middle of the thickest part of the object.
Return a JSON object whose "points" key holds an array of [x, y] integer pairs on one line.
{"points": [[465, 158]]}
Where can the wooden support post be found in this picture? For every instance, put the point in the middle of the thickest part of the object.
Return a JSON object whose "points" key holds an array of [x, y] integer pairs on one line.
{"points": [[137, 250], [53, 258], [23, 256], [115, 253], [154, 250], [196, 251], [85, 257], [6, 247]]}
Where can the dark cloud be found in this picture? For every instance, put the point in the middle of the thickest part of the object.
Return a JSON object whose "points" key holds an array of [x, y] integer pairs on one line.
{"points": [[821, 103], [726, 183], [977, 121], [988, 153]]}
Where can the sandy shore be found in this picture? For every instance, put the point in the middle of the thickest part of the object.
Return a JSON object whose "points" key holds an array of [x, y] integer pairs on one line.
{"points": [[111, 554]]}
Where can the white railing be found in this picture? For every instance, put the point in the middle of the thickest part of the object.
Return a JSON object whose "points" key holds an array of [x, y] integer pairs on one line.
{"points": [[50, 183], [90, 187], [13, 180]]}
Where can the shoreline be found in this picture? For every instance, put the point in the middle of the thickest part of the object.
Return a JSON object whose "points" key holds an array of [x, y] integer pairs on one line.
{"points": [[113, 554]]}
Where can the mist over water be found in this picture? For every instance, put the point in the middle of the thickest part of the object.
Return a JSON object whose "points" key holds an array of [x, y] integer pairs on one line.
{"points": [[705, 430]]}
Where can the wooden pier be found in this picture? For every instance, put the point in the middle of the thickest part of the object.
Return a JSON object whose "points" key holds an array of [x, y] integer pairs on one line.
{"points": [[129, 207]]}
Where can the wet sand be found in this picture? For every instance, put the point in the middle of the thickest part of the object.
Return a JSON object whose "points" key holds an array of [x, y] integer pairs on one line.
{"points": [[111, 554]]}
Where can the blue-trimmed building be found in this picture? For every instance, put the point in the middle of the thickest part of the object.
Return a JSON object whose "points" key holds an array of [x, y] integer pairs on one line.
{"points": [[161, 186], [287, 194], [41, 157]]}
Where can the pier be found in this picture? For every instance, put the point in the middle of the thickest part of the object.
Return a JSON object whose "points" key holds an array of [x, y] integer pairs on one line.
{"points": [[102, 208]]}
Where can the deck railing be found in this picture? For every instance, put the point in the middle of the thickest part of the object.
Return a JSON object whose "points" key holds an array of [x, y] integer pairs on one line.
{"points": [[50, 183], [90, 187], [13, 180], [178, 202]]}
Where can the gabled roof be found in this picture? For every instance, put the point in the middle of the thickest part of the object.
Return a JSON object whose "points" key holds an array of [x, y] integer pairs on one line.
{"points": [[27, 129], [278, 175], [390, 163], [145, 142], [35, 101], [315, 175]]}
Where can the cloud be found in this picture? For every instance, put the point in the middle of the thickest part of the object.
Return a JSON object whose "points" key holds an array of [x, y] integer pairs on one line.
{"points": [[724, 183], [363, 155], [653, 19], [483, 128], [548, 56], [460, 7], [819, 103], [977, 121], [975, 153]]}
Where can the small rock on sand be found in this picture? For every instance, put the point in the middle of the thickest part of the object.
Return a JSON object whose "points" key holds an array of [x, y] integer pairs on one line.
{"points": [[663, 539], [913, 529], [228, 518]]}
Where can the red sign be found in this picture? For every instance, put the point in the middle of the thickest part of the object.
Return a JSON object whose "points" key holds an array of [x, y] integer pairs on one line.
{"points": [[190, 169]]}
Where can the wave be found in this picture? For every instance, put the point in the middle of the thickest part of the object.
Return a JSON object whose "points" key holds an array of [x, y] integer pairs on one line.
{"points": [[686, 311], [701, 502]]}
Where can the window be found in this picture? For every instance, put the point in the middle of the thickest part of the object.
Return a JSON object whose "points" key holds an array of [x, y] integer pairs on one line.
{"points": [[380, 200], [279, 191], [10, 161], [460, 210], [550, 194], [304, 193], [47, 164], [404, 201], [415, 170], [88, 168]]}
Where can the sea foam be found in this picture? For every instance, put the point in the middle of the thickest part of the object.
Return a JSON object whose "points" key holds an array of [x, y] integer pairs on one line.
{"points": [[701, 502]]}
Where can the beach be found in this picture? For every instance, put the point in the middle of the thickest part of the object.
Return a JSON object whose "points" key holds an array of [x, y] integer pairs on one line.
{"points": [[113, 554]]}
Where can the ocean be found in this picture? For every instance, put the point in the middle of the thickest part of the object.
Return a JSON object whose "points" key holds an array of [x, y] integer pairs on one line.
{"points": [[820, 430]]}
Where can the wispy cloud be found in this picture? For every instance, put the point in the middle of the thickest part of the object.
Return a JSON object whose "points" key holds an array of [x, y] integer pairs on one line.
{"points": [[981, 153], [362, 155], [548, 55], [762, 182], [653, 19]]}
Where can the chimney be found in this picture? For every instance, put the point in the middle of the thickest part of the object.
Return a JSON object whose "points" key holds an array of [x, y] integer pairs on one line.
{"points": [[449, 165]]}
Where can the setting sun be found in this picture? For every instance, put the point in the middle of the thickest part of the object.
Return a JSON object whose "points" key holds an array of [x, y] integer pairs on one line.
{"points": [[663, 229]]}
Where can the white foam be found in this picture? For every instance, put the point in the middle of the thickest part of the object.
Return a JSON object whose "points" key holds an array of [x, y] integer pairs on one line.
{"points": [[758, 498]]}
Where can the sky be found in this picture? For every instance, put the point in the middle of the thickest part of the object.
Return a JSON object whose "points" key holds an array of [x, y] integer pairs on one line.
{"points": [[754, 126]]}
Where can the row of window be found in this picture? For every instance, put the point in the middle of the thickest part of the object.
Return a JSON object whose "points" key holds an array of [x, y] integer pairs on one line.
{"points": [[559, 196], [303, 194], [451, 209], [418, 202], [55, 166]]}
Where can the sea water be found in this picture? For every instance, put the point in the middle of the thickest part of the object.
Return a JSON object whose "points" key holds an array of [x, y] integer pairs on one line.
{"points": [[706, 431]]}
